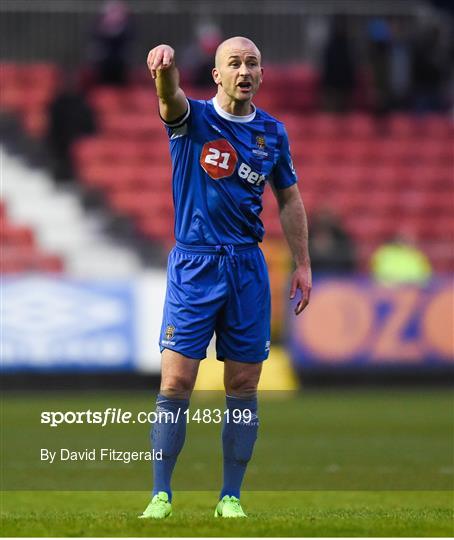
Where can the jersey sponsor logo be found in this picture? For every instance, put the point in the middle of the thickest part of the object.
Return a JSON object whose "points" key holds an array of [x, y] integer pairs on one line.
{"points": [[218, 159], [245, 172]]}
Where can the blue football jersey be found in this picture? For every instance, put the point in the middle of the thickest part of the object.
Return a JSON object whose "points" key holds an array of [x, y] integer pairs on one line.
{"points": [[221, 164]]}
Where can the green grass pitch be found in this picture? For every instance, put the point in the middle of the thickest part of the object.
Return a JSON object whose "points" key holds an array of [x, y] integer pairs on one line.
{"points": [[332, 463], [330, 513]]}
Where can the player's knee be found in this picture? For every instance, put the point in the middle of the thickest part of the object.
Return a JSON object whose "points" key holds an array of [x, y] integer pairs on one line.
{"points": [[241, 385], [177, 386]]}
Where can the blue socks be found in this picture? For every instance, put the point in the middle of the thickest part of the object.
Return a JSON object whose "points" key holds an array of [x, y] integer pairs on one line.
{"points": [[238, 442], [238, 439], [167, 435]]}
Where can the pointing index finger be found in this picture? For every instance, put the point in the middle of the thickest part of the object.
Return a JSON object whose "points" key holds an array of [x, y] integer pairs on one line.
{"points": [[166, 58]]}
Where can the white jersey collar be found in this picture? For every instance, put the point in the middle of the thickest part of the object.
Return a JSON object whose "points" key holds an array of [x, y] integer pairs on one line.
{"points": [[233, 117]]}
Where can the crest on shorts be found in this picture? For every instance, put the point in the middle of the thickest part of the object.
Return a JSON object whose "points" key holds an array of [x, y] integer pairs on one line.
{"points": [[260, 141], [170, 331]]}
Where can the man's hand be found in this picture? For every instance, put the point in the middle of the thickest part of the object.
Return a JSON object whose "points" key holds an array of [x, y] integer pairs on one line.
{"points": [[172, 100], [301, 279], [160, 58]]}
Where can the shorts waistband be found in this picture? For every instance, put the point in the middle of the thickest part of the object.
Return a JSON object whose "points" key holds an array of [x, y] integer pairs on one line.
{"points": [[220, 249]]}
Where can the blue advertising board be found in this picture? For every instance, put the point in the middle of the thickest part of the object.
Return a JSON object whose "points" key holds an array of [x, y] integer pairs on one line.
{"points": [[359, 324], [61, 324]]}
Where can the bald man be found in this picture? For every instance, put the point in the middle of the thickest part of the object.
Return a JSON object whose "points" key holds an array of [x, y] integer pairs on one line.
{"points": [[224, 151]]}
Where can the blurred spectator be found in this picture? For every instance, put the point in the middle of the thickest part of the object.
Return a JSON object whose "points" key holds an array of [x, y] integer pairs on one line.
{"points": [[70, 117], [111, 38], [400, 261], [338, 67], [317, 29], [430, 70], [198, 60], [331, 248], [400, 65], [379, 38]]}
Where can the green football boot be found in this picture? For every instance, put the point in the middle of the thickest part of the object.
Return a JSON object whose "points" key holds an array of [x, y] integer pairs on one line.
{"points": [[159, 507], [229, 507]]}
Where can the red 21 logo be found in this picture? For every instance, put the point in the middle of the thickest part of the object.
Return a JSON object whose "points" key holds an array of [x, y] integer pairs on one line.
{"points": [[218, 158]]}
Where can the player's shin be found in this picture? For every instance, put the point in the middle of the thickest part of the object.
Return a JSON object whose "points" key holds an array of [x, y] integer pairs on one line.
{"points": [[168, 434], [239, 434]]}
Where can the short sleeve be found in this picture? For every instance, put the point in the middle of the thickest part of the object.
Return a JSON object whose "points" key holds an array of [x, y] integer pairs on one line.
{"points": [[284, 174]]}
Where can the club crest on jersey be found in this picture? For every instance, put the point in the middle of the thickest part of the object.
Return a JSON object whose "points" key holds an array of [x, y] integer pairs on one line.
{"points": [[170, 331], [261, 145], [260, 140]]}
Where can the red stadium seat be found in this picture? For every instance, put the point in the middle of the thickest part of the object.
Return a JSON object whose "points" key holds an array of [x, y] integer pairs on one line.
{"points": [[266, 100], [384, 177], [324, 126], [35, 122], [273, 226], [355, 151], [18, 259], [439, 127], [141, 100], [89, 150], [49, 263], [352, 178], [17, 236], [436, 204], [436, 152], [130, 125], [106, 99], [404, 126], [358, 125], [10, 73], [419, 176], [274, 77], [302, 76], [141, 203], [301, 101], [394, 151], [158, 228], [19, 250], [40, 74]]}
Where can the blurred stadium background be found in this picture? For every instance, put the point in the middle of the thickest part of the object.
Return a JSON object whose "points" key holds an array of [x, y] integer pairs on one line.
{"points": [[365, 91]]}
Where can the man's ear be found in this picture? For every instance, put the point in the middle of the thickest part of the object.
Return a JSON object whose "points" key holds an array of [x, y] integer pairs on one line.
{"points": [[216, 76]]}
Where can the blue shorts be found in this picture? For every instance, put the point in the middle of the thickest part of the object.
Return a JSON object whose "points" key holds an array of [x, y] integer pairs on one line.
{"points": [[222, 289]]}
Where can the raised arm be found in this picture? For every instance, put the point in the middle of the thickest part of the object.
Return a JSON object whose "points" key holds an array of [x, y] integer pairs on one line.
{"points": [[294, 224], [172, 100]]}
